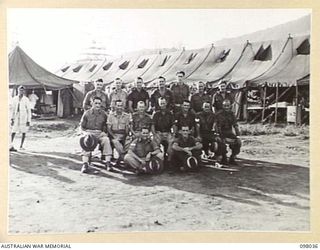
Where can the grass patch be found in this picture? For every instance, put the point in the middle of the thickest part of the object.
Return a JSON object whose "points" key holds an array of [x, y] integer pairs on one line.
{"points": [[286, 130], [258, 129]]}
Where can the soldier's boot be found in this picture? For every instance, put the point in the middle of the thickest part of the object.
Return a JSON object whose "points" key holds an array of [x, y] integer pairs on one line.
{"points": [[232, 160], [224, 160]]}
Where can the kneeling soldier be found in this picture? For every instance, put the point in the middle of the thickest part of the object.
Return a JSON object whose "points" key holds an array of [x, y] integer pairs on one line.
{"points": [[118, 127], [226, 121], [161, 128], [143, 153], [207, 120], [186, 150]]}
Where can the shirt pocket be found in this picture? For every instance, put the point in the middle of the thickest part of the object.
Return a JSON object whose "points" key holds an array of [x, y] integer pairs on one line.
{"points": [[122, 124]]}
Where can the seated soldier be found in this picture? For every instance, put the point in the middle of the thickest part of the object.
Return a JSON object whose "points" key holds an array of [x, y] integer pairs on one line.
{"points": [[186, 151], [206, 124], [161, 128], [142, 151], [185, 116], [93, 122], [140, 119], [226, 121], [118, 129]]}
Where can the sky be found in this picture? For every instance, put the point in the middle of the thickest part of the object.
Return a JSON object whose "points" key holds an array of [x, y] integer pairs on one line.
{"points": [[54, 37]]}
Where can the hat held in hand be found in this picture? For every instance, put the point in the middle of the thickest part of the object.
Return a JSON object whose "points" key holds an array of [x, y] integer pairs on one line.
{"points": [[88, 142], [154, 166], [192, 162]]}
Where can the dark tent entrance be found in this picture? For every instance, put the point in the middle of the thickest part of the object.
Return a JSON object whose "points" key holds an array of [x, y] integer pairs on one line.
{"points": [[277, 103], [50, 102]]}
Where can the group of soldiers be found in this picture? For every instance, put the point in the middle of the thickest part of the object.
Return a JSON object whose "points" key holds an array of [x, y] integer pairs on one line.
{"points": [[168, 129]]}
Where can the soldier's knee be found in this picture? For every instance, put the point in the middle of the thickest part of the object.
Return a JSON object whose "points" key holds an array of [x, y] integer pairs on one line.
{"points": [[160, 156], [127, 158]]}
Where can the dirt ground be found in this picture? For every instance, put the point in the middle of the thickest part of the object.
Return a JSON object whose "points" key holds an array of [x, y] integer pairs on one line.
{"points": [[48, 194]]}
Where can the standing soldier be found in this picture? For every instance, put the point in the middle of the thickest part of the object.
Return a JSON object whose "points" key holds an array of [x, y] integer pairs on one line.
{"points": [[226, 121], [162, 123], [138, 94], [180, 91], [161, 92], [199, 98], [220, 96], [118, 94], [20, 116], [97, 92]]}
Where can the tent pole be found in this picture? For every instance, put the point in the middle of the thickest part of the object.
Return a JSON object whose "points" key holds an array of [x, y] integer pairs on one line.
{"points": [[276, 111], [264, 102], [297, 102]]}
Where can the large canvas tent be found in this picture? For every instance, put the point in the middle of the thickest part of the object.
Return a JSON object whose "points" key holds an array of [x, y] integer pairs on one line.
{"points": [[277, 56], [24, 71]]}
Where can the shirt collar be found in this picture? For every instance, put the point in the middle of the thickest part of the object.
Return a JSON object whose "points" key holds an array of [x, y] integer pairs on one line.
{"points": [[93, 111], [140, 140]]}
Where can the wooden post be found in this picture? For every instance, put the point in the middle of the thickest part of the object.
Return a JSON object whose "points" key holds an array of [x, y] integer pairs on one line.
{"points": [[297, 103], [264, 101], [276, 111]]}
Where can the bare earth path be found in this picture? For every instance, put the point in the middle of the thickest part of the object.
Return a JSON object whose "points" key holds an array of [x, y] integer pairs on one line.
{"points": [[48, 194]]}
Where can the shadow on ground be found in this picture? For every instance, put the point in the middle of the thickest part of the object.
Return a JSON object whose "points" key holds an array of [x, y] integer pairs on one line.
{"points": [[254, 182]]}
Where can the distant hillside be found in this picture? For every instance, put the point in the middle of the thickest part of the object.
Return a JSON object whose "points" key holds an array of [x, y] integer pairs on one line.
{"points": [[301, 26]]}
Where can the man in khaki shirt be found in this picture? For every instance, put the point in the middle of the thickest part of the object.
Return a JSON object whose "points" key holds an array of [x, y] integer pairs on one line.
{"points": [[143, 150], [93, 122], [118, 128], [118, 94]]}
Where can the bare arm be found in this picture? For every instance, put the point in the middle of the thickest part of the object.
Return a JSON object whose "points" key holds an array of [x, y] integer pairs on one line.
{"points": [[133, 154], [176, 147], [86, 102], [236, 128], [130, 103], [109, 129], [197, 146], [83, 122]]}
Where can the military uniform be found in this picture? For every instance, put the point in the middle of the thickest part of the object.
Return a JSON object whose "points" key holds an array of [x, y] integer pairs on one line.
{"points": [[207, 133], [179, 93], [179, 158], [87, 102], [226, 120], [163, 122], [93, 122], [185, 119], [218, 98], [139, 122], [118, 95], [141, 148], [167, 94], [119, 125], [197, 101], [136, 96]]}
